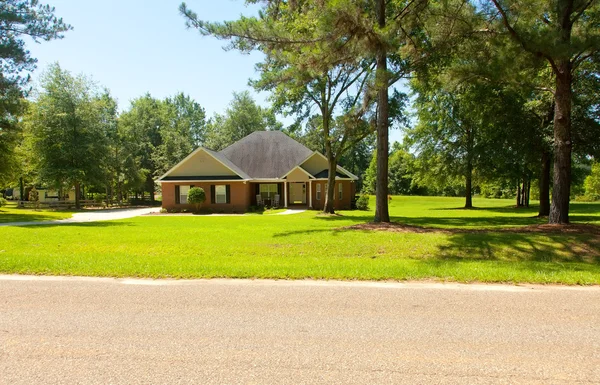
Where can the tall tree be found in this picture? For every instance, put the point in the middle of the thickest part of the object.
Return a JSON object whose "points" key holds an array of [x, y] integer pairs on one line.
{"points": [[142, 124], [68, 131], [183, 129], [18, 19], [242, 117], [333, 33], [565, 33]]}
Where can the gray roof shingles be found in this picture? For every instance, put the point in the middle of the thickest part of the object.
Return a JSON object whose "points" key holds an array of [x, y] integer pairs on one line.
{"points": [[265, 154]]}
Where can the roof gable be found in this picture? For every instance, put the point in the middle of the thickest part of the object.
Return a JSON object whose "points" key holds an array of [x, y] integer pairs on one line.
{"points": [[266, 154], [206, 163]]}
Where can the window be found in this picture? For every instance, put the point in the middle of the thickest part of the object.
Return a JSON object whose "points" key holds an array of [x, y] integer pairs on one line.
{"points": [[318, 191], [220, 194], [183, 194], [268, 191], [340, 191]]}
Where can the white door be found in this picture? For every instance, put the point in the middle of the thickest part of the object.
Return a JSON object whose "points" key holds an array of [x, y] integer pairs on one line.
{"points": [[298, 193]]}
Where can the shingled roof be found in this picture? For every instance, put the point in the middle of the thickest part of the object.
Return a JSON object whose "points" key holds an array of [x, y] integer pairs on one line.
{"points": [[266, 154]]}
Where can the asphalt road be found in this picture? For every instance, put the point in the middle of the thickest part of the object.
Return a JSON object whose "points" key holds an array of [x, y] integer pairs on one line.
{"points": [[105, 331]]}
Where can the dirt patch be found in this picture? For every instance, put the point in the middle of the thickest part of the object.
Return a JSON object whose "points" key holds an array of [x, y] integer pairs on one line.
{"points": [[545, 228]]}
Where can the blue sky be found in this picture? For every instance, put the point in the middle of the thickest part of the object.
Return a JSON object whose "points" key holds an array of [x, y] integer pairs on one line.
{"points": [[135, 46]]}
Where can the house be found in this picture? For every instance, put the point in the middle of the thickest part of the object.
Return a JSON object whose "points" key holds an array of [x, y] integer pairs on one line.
{"points": [[263, 165], [45, 195]]}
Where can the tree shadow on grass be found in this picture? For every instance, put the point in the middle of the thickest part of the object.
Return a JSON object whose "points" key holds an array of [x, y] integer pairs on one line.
{"points": [[8, 217], [115, 223], [522, 247]]}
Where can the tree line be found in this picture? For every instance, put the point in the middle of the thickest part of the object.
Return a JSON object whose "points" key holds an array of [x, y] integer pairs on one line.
{"points": [[498, 97], [502, 87], [72, 135]]}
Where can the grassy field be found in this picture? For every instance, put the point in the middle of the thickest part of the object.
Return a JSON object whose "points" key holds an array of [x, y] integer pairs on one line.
{"points": [[493, 243], [10, 213]]}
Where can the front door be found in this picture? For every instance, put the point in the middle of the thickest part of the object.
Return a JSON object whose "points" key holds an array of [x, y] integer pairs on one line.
{"points": [[298, 193]]}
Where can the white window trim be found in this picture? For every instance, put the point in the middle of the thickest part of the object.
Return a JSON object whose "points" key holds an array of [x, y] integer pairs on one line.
{"points": [[318, 193], [183, 197], [223, 194]]}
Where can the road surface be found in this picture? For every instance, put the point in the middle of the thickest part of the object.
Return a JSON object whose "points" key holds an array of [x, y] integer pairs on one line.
{"points": [[108, 331]]}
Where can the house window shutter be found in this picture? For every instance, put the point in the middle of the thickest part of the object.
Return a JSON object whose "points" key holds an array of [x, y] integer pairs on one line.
{"points": [[279, 189], [212, 193], [228, 193], [177, 195]]}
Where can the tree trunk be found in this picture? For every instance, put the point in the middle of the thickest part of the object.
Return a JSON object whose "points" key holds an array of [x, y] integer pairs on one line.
{"points": [[518, 193], [545, 185], [21, 190], [77, 192], [469, 175], [559, 210], [524, 191], [528, 192], [469, 187], [329, 207], [150, 184], [381, 187]]}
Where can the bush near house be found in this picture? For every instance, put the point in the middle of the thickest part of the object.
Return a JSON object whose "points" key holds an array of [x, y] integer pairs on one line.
{"points": [[196, 196], [362, 203]]}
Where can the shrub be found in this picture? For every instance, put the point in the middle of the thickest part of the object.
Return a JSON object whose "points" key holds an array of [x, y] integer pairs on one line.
{"points": [[2, 202], [164, 210], [362, 203], [196, 196]]}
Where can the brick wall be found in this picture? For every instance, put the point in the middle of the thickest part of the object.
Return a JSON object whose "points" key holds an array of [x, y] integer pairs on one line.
{"points": [[239, 196], [348, 191]]}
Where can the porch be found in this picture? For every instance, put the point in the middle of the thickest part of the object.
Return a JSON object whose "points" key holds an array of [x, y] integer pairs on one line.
{"points": [[283, 194]]}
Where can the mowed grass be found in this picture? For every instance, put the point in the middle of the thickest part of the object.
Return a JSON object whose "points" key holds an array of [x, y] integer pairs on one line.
{"points": [[10, 213], [470, 245]]}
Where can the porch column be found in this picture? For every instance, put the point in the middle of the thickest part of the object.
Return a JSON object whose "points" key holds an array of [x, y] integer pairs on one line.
{"points": [[285, 194], [310, 194]]}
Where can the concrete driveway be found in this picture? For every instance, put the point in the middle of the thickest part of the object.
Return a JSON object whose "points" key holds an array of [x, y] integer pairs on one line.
{"points": [[91, 216], [101, 331]]}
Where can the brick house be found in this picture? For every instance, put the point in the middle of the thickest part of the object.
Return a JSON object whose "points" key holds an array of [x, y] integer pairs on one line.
{"points": [[264, 165]]}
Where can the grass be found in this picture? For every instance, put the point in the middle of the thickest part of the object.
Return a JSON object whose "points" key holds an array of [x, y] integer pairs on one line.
{"points": [[466, 246], [10, 213]]}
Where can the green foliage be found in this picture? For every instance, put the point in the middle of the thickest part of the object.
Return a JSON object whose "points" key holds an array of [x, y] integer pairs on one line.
{"points": [[370, 176], [362, 203], [196, 196], [155, 135], [241, 118], [19, 19], [592, 183], [3, 202], [68, 132]]}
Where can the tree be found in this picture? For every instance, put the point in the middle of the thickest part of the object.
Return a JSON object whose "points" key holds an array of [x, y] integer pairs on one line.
{"points": [[196, 196], [565, 33], [330, 34], [141, 125], [592, 183], [182, 131], [241, 118], [19, 18], [296, 91], [68, 132]]}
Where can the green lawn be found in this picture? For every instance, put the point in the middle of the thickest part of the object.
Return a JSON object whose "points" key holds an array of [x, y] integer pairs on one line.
{"points": [[10, 213], [310, 245]]}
